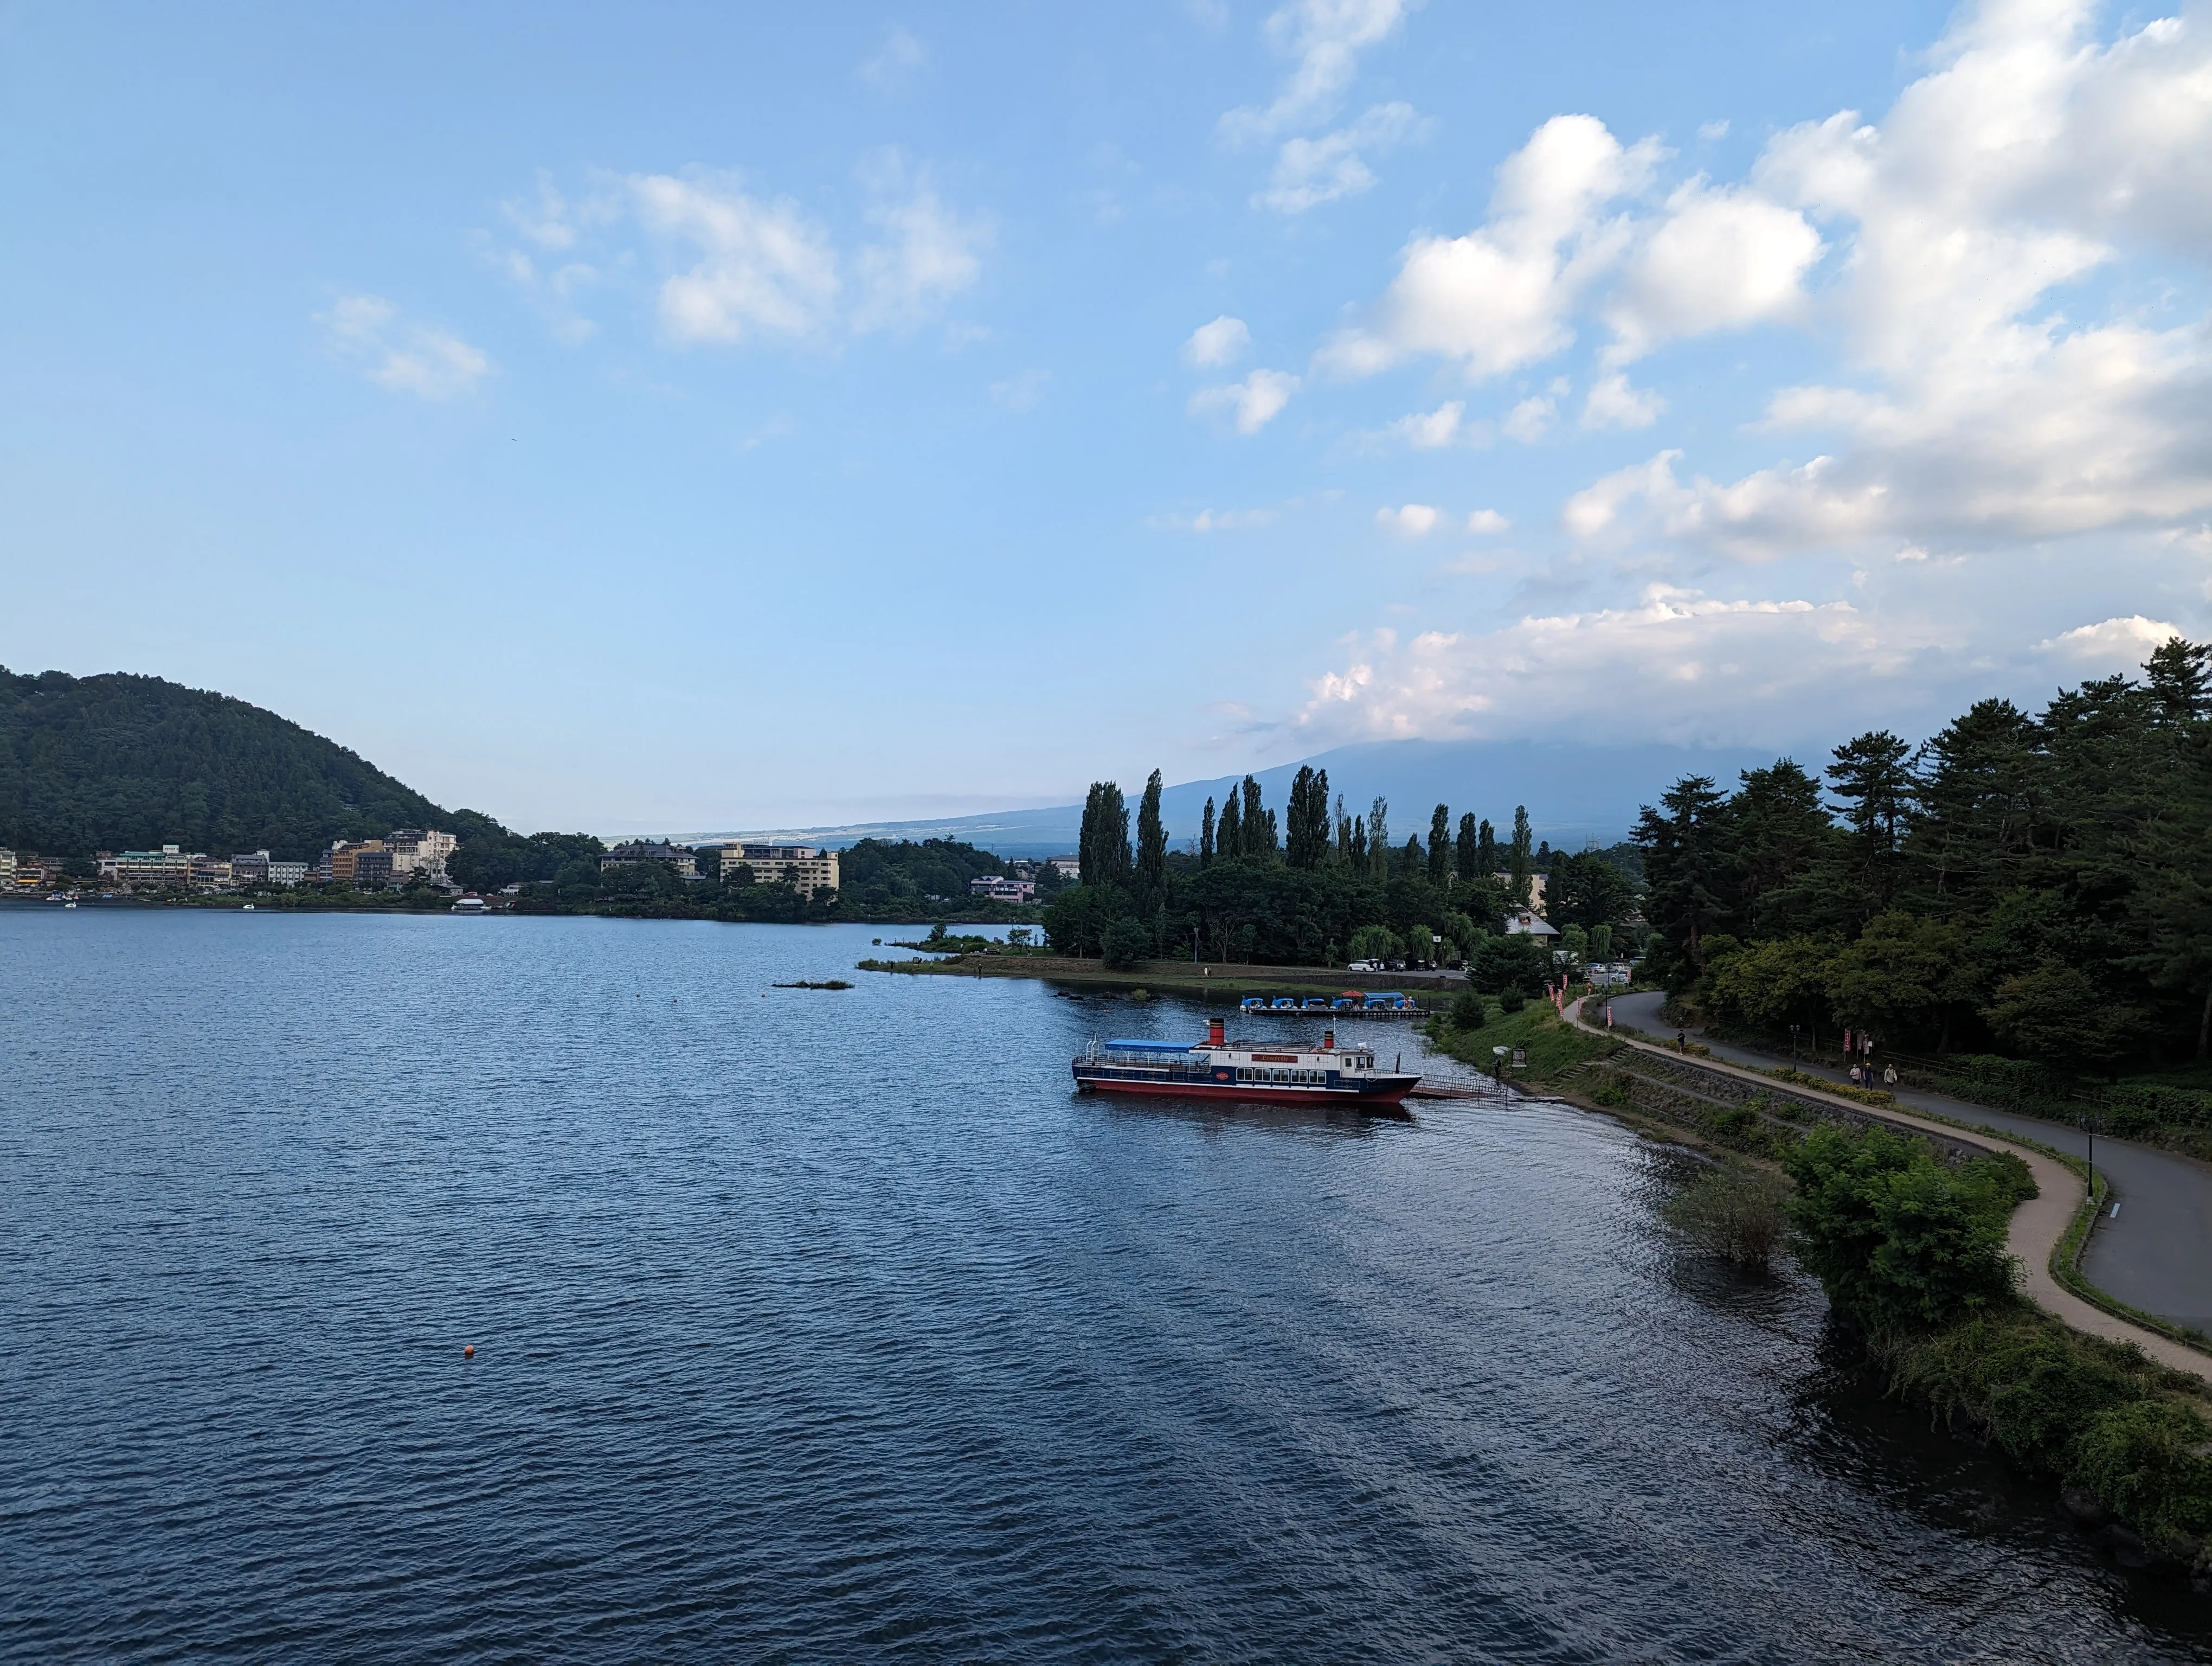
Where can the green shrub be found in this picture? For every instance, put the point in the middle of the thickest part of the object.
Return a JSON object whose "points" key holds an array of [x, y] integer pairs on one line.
{"points": [[2031, 1387], [2150, 1462], [1511, 1002], [1735, 1212], [1897, 1241], [1468, 1012]]}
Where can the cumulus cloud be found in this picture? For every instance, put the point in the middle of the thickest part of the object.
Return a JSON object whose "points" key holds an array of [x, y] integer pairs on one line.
{"points": [[1611, 403], [1688, 666], [1224, 341], [1021, 391], [1484, 522], [1254, 402], [2028, 158], [1432, 430], [1410, 520], [2120, 644], [406, 358], [1713, 260], [1501, 296]]}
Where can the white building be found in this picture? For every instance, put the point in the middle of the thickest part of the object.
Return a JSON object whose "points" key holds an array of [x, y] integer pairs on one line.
{"points": [[803, 867], [415, 851], [1068, 867], [7, 868], [1000, 889]]}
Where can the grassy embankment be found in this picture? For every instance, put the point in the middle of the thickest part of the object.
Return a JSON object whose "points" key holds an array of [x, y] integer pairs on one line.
{"points": [[2127, 1441]]}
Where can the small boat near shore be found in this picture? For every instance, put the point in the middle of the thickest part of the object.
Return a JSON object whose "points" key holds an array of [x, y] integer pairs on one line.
{"points": [[1218, 1068], [1368, 1004]]}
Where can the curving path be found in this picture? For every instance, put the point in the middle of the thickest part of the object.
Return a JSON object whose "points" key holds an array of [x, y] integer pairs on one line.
{"points": [[2037, 1224]]}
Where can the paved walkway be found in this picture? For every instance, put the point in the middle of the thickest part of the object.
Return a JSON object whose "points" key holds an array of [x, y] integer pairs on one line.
{"points": [[2037, 1224], [2155, 1254]]}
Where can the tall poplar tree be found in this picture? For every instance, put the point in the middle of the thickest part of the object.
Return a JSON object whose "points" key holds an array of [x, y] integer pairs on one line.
{"points": [[1440, 850], [1469, 854], [1521, 864], [1206, 837], [1378, 836], [1485, 851], [1229, 832], [1104, 848], [1151, 850]]}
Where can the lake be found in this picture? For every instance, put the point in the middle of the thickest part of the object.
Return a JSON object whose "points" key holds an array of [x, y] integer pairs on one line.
{"points": [[820, 1325]]}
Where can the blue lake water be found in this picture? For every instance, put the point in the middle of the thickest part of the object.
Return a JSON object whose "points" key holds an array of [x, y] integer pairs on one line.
{"points": [[825, 1325]]}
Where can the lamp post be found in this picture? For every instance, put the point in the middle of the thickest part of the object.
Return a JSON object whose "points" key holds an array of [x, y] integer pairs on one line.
{"points": [[1793, 1043]]}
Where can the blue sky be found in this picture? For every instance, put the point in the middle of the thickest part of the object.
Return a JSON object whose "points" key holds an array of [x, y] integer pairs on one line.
{"points": [[688, 418]]}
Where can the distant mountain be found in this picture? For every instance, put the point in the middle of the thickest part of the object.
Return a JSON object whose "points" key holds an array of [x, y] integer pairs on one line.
{"points": [[118, 762], [1575, 794]]}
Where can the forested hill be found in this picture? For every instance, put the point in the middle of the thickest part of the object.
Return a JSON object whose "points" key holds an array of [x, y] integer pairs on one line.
{"points": [[118, 762]]}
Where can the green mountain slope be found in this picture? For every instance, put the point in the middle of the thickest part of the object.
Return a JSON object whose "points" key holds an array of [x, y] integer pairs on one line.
{"points": [[118, 763]]}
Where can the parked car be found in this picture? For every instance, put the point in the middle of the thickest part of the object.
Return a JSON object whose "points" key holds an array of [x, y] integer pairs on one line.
{"points": [[1366, 966]]}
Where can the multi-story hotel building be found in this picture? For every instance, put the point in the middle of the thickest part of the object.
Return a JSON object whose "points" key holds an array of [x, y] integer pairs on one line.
{"points": [[802, 866]]}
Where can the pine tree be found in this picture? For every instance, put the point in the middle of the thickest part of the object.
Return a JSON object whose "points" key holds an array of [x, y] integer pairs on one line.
{"points": [[1440, 850], [1687, 862], [1872, 776]]}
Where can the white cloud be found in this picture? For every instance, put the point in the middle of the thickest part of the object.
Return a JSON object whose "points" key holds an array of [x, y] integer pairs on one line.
{"points": [[1311, 172], [1677, 665], [1715, 260], [763, 268], [898, 60], [1410, 520], [1224, 341], [1713, 130], [927, 254], [1326, 37], [1257, 400], [1531, 420], [1484, 522], [407, 358], [1431, 430], [2122, 644], [1613, 403], [1501, 296]]}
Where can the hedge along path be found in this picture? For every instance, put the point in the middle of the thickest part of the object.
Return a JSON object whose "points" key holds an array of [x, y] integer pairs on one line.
{"points": [[2037, 1224]]}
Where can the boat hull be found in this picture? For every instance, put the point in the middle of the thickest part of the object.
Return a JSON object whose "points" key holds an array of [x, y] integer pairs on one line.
{"points": [[1385, 1092]]}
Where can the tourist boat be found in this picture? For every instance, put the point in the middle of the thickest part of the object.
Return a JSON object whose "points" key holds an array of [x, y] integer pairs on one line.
{"points": [[1218, 1069]]}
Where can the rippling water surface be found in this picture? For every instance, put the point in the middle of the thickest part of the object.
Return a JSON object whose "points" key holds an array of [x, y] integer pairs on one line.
{"points": [[817, 1326]]}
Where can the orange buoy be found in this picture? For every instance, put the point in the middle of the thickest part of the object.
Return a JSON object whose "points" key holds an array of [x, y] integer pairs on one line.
{"points": [[469, 1351]]}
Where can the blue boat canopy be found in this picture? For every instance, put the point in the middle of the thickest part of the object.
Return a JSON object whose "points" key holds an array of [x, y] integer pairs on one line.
{"points": [[1153, 1046]]}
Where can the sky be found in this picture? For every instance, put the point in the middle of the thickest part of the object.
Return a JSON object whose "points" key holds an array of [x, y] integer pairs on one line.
{"points": [[684, 417]]}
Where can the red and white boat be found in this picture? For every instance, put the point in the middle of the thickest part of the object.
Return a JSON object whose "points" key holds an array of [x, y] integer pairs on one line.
{"points": [[1218, 1069]]}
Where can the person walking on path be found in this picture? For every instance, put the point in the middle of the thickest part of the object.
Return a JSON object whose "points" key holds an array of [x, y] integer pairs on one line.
{"points": [[1889, 1076]]}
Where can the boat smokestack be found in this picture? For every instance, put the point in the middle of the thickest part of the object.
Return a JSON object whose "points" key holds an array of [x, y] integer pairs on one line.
{"points": [[1216, 1034], [1328, 1041]]}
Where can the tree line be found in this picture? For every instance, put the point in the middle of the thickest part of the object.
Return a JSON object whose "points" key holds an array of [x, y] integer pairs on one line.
{"points": [[2036, 883], [1316, 883]]}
